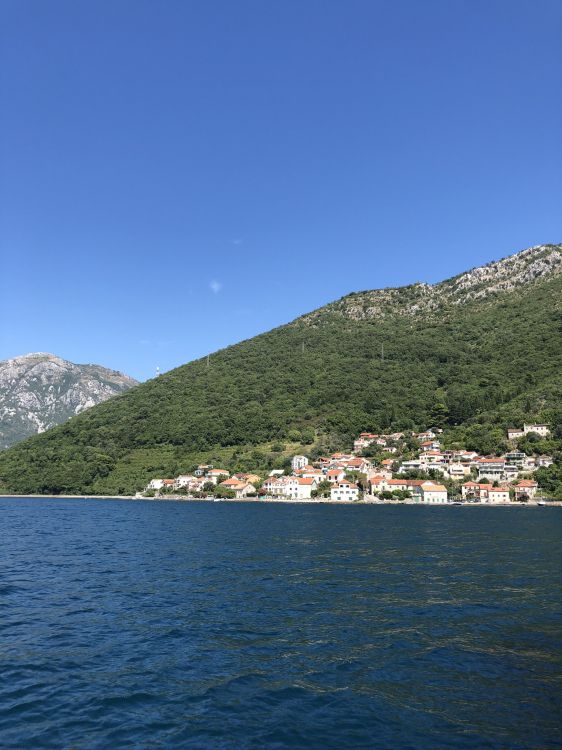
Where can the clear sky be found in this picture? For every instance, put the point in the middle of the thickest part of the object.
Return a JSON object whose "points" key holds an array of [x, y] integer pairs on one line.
{"points": [[176, 176]]}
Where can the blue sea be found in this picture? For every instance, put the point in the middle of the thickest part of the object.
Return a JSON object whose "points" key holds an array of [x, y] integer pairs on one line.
{"points": [[244, 625]]}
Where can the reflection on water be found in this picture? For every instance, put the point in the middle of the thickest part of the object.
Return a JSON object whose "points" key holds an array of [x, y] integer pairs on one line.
{"points": [[181, 625]]}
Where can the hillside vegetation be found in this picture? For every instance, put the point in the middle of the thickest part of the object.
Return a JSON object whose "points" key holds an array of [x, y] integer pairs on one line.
{"points": [[471, 365]]}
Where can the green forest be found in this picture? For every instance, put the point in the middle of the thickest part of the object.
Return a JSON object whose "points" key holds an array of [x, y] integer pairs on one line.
{"points": [[472, 369]]}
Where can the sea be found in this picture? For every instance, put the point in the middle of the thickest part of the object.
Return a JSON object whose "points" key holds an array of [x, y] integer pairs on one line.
{"points": [[146, 624]]}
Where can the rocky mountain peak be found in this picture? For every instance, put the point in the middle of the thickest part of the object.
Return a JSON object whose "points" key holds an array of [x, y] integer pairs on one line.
{"points": [[40, 390], [521, 269]]}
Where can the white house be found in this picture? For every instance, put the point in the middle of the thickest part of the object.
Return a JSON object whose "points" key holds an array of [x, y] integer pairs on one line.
{"points": [[335, 475], [458, 470], [344, 491], [412, 465], [299, 462], [541, 429], [300, 488], [275, 486], [185, 480], [155, 484], [491, 468]]}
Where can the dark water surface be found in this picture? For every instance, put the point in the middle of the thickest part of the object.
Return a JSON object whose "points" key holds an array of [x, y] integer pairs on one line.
{"points": [[201, 625]]}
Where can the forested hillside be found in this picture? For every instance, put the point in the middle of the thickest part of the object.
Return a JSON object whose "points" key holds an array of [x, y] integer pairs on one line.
{"points": [[490, 358]]}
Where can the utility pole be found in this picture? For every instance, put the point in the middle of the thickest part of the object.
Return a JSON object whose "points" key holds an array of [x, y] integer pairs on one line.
{"points": [[207, 360]]}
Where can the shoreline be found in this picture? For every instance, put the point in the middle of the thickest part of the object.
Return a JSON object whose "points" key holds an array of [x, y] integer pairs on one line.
{"points": [[277, 500]]}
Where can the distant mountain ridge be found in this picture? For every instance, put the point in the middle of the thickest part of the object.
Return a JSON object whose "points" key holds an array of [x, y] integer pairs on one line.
{"points": [[41, 390], [473, 355]]}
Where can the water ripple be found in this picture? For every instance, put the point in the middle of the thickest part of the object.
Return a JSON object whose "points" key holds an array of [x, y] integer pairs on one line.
{"points": [[139, 625]]}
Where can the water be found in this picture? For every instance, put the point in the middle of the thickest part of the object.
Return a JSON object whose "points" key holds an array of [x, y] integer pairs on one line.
{"points": [[201, 625]]}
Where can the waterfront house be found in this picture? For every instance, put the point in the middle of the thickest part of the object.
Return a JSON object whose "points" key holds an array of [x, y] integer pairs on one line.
{"points": [[498, 495], [526, 489], [241, 489], [300, 488], [185, 481], [378, 484], [431, 492], [478, 491], [344, 491]]}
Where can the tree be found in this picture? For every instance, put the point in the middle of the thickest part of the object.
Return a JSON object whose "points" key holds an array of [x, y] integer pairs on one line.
{"points": [[323, 489]]}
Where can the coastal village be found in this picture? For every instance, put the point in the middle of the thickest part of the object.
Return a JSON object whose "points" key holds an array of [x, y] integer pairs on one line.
{"points": [[376, 470]]}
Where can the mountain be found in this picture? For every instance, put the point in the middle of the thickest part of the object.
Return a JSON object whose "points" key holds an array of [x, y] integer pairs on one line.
{"points": [[472, 354], [39, 391]]}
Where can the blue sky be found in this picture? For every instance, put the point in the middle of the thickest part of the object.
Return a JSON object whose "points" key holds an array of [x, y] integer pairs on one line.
{"points": [[177, 176]]}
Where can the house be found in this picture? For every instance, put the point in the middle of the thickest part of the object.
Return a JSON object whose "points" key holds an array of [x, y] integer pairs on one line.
{"points": [[491, 468], [300, 488], [358, 464], [544, 461], [387, 463], [408, 485], [251, 478], [363, 441], [427, 435], [202, 469], [430, 445], [413, 465], [185, 480], [215, 475], [275, 486], [309, 472], [432, 493], [540, 429], [299, 462], [458, 470], [498, 495], [344, 491], [514, 433], [526, 489], [335, 475], [432, 457], [276, 473], [378, 484], [155, 484], [475, 490], [168, 484], [241, 489], [515, 458]]}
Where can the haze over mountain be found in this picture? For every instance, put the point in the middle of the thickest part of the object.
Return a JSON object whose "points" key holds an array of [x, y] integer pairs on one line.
{"points": [[39, 391], [472, 354]]}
